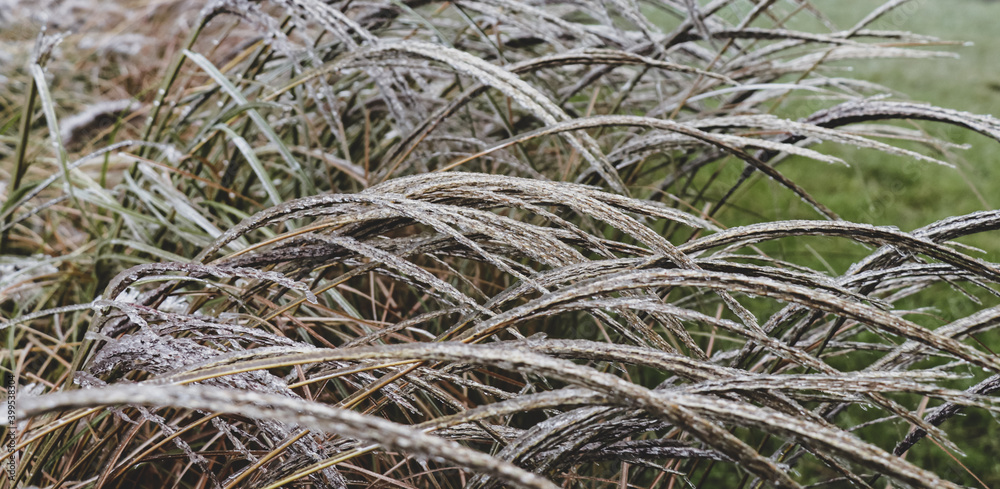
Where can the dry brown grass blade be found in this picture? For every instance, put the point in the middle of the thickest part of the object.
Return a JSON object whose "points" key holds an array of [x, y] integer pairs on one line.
{"points": [[265, 406]]}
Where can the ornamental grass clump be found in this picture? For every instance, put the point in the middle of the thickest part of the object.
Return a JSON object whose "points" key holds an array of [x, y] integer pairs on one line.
{"points": [[294, 243]]}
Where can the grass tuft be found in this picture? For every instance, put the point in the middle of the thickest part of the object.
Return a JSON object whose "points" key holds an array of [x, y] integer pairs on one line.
{"points": [[494, 243]]}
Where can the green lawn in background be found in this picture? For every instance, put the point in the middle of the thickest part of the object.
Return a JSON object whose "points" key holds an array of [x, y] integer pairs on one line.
{"points": [[886, 190]]}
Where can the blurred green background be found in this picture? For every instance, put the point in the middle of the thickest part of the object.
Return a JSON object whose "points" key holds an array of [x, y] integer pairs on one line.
{"points": [[886, 190]]}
